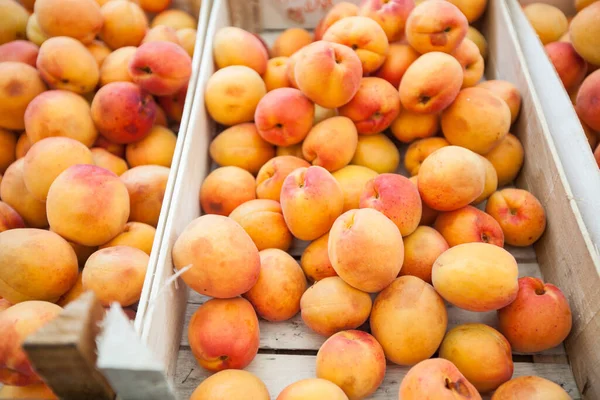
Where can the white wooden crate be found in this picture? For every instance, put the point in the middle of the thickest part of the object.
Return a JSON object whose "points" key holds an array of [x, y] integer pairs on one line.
{"points": [[287, 350]]}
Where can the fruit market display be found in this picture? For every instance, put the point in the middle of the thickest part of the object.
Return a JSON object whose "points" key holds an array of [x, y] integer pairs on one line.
{"points": [[308, 150], [573, 46], [91, 93]]}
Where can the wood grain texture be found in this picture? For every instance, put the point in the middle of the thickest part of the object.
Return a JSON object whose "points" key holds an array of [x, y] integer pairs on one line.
{"points": [[562, 174], [280, 370]]}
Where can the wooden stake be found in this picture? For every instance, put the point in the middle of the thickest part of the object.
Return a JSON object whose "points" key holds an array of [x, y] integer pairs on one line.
{"points": [[63, 352]]}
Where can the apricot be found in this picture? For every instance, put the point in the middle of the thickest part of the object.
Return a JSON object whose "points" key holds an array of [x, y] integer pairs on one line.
{"points": [[419, 150], [156, 149], [19, 51], [468, 55], [88, 205], [224, 334], [479, 40], [570, 66], [374, 268], [438, 379], [311, 200], [99, 51], [436, 26], [116, 274], [154, 6], [397, 198], [331, 305], [284, 126], [532, 388], [116, 66], [409, 126], [223, 260], [476, 276], [364, 36], [331, 144], [81, 20], [16, 323], [376, 152], [507, 158], [34, 32], [409, 320], [520, 215], [313, 388], [539, 318], [232, 94], [584, 33], [226, 188], [19, 85], [36, 265], [480, 353], [161, 33], [14, 21], [125, 24], [339, 11], [135, 234], [477, 120], [275, 75], [241, 146], [281, 283], [146, 185], [451, 178], [290, 41], [161, 68], [586, 104], [507, 92], [354, 361], [187, 39], [548, 21], [47, 159], [400, 57], [173, 104], [60, 113], [292, 150], [56, 68], [315, 260], [374, 107], [176, 19], [263, 220], [235, 46], [8, 147], [14, 193], [113, 148], [109, 161], [9, 218], [428, 214], [82, 252], [421, 249], [231, 384], [37, 391], [327, 73], [272, 174], [431, 83], [390, 15], [72, 294], [23, 145], [352, 179], [468, 225], [122, 112]]}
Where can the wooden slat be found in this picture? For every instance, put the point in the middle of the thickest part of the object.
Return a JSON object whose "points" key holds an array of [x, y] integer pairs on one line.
{"points": [[279, 370]]}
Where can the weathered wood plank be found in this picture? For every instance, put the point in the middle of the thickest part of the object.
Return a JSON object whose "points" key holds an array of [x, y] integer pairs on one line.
{"points": [[279, 370]]}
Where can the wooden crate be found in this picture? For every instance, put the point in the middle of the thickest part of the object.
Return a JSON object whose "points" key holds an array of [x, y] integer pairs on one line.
{"points": [[287, 350], [578, 275]]}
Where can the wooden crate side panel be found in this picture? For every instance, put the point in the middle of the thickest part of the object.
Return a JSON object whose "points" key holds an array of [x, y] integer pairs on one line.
{"points": [[565, 252], [162, 329], [203, 14]]}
